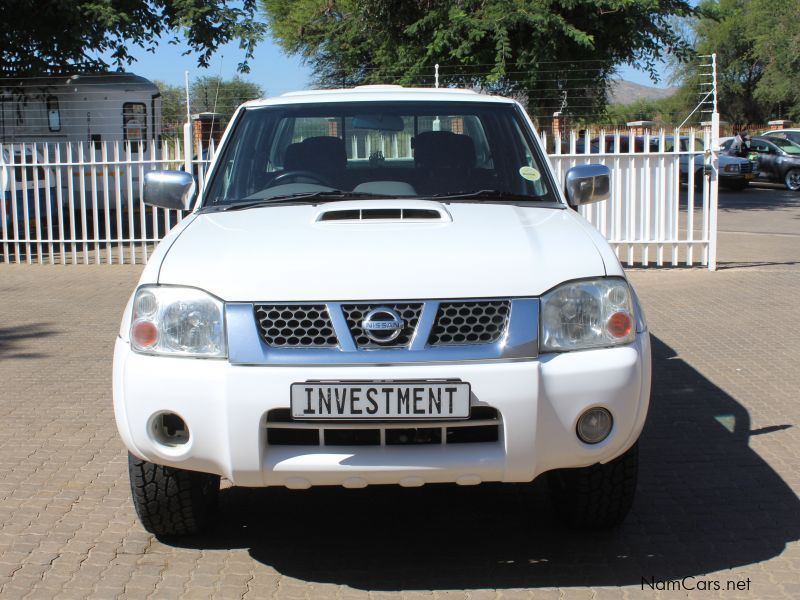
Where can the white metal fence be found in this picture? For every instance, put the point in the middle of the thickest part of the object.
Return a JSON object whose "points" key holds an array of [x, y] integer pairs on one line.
{"points": [[81, 203], [663, 205]]}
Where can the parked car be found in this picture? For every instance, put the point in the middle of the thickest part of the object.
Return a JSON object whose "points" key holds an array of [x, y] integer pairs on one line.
{"points": [[793, 135], [323, 319], [778, 160], [734, 172]]}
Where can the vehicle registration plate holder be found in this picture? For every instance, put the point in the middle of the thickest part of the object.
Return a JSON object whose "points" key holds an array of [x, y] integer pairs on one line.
{"points": [[380, 400]]}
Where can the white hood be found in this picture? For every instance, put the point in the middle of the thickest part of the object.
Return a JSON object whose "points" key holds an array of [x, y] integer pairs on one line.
{"points": [[283, 253]]}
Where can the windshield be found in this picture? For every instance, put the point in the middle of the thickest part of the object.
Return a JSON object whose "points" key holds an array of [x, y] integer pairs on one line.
{"points": [[389, 149]]}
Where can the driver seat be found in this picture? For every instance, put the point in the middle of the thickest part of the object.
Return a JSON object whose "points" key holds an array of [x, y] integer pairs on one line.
{"points": [[323, 154]]}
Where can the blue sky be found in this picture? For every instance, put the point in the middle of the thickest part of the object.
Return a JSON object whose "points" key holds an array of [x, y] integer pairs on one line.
{"points": [[273, 70]]}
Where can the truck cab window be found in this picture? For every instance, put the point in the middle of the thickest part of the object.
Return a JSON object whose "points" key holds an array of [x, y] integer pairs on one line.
{"points": [[53, 114]]}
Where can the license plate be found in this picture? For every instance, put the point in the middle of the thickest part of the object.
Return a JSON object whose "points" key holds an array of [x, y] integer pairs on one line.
{"points": [[380, 400], [749, 175]]}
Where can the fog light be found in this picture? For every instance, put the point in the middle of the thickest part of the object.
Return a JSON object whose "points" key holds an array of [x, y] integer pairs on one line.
{"points": [[170, 430], [594, 425]]}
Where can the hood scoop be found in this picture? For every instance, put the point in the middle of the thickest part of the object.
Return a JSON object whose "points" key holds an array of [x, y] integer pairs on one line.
{"points": [[383, 211]]}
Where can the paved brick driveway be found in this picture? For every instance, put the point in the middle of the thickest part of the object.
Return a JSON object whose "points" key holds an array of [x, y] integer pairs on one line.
{"points": [[718, 495]]}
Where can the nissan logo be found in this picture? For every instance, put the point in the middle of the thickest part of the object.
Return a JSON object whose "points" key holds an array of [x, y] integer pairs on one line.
{"points": [[382, 325]]}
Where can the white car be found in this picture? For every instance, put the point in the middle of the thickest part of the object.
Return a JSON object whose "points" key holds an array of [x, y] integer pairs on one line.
{"points": [[381, 286], [793, 135]]}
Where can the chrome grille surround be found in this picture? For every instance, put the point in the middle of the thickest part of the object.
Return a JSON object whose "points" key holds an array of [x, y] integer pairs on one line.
{"points": [[409, 312], [295, 325], [248, 346], [476, 322]]}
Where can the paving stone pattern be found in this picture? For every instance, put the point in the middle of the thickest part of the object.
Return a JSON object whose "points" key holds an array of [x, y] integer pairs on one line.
{"points": [[717, 500]]}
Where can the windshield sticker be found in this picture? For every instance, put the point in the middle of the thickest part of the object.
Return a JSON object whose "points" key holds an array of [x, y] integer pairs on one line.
{"points": [[530, 173]]}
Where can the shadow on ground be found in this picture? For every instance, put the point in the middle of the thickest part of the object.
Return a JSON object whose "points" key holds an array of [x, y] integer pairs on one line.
{"points": [[14, 338], [760, 196], [706, 502], [755, 264]]}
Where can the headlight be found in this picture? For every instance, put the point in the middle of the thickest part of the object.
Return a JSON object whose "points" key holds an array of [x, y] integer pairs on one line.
{"points": [[731, 168], [178, 321], [587, 314]]}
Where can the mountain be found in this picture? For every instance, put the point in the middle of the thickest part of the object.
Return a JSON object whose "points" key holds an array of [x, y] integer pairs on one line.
{"points": [[627, 92]]}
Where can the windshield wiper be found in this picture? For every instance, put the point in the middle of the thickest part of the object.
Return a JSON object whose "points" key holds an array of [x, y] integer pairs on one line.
{"points": [[487, 195], [299, 197]]}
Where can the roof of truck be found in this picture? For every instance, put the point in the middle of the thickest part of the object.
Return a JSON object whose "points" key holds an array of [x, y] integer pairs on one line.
{"points": [[367, 93]]}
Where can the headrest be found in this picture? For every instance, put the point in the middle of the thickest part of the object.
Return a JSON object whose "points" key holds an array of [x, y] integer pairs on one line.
{"points": [[444, 149], [320, 153]]}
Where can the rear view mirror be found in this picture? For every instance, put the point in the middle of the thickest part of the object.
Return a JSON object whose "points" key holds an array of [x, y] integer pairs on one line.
{"points": [[169, 189], [379, 122], [585, 184]]}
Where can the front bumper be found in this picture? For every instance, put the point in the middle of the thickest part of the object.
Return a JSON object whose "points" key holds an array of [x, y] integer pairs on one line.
{"points": [[225, 408], [736, 178]]}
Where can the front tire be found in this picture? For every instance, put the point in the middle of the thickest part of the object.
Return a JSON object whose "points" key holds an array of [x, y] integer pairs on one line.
{"points": [[170, 501], [596, 497], [792, 180]]}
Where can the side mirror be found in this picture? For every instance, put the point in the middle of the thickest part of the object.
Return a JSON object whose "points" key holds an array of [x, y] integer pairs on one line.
{"points": [[585, 184], [169, 189]]}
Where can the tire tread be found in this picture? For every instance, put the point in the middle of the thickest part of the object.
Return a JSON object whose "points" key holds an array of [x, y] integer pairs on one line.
{"points": [[598, 496], [170, 501]]}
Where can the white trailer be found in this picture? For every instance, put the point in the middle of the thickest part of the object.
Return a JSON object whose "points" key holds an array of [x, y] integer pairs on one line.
{"points": [[108, 119], [80, 108]]}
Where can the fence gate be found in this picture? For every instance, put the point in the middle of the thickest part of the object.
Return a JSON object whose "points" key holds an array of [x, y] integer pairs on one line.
{"points": [[664, 191], [81, 203]]}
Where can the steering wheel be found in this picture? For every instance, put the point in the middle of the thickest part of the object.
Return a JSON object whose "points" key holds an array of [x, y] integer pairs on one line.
{"points": [[298, 174]]}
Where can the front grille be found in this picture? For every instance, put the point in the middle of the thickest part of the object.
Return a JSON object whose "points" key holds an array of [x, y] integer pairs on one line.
{"points": [[355, 314], [295, 325], [746, 167], [482, 426], [476, 322]]}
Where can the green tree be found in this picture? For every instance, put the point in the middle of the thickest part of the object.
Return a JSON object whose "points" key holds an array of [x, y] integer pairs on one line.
{"points": [[666, 112], [757, 43], [173, 107], [778, 45], [54, 36], [206, 94], [214, 94], [538, 51]]}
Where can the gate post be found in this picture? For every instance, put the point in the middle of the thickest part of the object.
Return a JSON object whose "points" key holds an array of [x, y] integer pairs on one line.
{"points": [[713, 193], [714, 187]]}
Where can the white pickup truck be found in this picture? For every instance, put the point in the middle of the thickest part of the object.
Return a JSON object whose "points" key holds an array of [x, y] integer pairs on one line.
{"points": [[381, 286]]}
